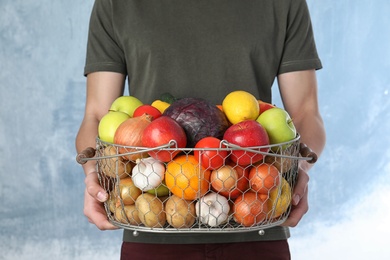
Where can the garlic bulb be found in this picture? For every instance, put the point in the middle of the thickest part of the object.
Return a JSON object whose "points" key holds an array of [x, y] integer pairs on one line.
{"points": [[148, 173], [212, 209]]}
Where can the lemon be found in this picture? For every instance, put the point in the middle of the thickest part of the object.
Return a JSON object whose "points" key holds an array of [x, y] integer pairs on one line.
{"points": [[279, 199], [240, 105], [160, 105]]}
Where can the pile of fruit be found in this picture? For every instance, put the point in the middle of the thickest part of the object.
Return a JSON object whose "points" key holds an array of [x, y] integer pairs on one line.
{"points": [[175, 163]]}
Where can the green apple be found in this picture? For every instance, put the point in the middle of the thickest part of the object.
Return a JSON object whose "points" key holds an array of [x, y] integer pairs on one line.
{"points": [[160, 190], [109, 123], [278, 124], [126, 104]]}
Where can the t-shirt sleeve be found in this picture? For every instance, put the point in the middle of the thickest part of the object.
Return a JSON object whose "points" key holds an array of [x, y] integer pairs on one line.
{"points": [[103, 50], [300, 52]]}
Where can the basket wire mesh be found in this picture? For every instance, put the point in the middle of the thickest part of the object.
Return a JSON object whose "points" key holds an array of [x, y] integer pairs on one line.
{"points": [[115, 165]]}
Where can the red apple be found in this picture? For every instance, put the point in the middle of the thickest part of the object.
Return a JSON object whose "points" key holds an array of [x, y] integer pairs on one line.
{"points": [[147, 109], [160, 132], [264, 106], [248, 133]]}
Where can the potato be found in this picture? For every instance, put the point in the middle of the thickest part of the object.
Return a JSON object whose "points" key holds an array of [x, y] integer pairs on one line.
{"points": [[283, 164], [112, 202], [180, 213], [129, 215], [115, 165], [150, 210]]}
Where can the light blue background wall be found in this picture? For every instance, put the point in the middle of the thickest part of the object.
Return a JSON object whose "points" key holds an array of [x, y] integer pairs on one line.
{"points": [[42, 50]]}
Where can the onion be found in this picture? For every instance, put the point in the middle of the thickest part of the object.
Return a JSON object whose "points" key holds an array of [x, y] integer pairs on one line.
{"points": [[128, 192], [129, 134], [224, 179], [250, 208]]}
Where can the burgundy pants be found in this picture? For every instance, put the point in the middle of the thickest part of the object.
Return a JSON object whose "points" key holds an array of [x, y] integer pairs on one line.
{"points": [[264, 250]]}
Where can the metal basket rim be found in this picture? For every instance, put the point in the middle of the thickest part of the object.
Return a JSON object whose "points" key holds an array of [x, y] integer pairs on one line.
{"points": [[172, 146]]}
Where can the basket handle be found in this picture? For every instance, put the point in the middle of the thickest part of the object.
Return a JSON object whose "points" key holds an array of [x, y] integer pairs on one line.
{"points": [[305, 151], [86, 154]]}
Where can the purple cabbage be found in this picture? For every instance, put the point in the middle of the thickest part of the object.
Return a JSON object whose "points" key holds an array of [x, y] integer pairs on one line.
{"points": [[199, 118]]}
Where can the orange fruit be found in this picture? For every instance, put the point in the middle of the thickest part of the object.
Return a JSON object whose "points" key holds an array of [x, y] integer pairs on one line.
{"points": [[239, 106], [186, 178]]}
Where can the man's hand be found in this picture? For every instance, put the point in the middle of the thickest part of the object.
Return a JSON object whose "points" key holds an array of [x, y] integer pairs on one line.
{"points": [[299, 95], [98, 102], [300, 205], [94, 197]]}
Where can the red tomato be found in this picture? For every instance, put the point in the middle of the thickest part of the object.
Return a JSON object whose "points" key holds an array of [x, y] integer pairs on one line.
{"points": [[147, 109], [210, 158]]}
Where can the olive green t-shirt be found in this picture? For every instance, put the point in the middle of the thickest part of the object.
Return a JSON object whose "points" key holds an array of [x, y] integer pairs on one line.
{"points": [[201, 48]]}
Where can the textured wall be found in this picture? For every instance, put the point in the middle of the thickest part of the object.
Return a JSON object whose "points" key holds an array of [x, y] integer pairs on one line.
{"points": [[42, 50], [41, 103]]}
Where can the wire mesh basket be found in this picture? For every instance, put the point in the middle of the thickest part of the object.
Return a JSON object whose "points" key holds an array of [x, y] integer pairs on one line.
{"points": [[224, 189]]}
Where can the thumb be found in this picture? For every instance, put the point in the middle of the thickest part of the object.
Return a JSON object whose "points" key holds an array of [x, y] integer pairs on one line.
{"points": [[93, 187], [301, 186]]}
